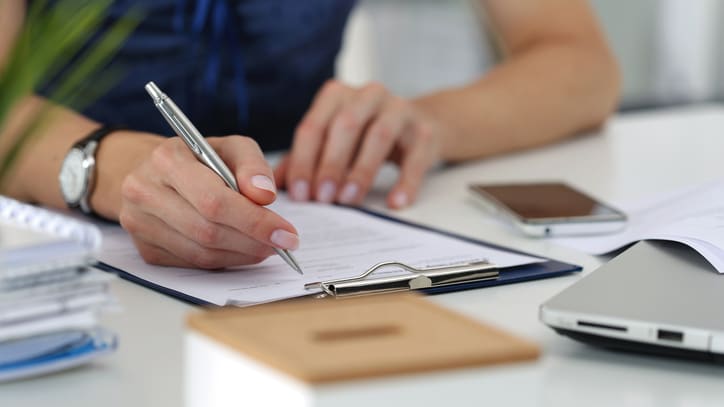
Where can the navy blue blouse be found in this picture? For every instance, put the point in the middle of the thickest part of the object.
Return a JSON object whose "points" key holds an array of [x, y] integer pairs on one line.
{"points": [[246, 67]]}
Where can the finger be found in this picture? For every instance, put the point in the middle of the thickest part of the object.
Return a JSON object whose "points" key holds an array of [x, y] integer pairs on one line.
{"points": [[179, 250], [378, 142], [342, 139], [166, 205], [217, 203], [414, 165], [280, 172], [229, 208], [151, 231], [156, 255], [309, 137], [246, 160]]}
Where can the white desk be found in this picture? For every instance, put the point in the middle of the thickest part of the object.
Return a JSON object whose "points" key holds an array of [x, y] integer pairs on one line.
{"points": [[636, 155]]}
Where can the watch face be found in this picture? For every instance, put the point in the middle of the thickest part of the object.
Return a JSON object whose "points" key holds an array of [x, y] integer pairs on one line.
{"points": [[73, 176]]}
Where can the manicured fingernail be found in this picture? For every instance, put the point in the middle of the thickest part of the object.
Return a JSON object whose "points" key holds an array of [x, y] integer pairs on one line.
{"points": [[349, 193], [400, 199], [300, 190], [326, 192], [284, 240], [263, 182]]}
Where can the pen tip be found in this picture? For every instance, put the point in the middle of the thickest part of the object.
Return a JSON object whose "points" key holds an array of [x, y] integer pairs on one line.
{"points": [[290, 260]]}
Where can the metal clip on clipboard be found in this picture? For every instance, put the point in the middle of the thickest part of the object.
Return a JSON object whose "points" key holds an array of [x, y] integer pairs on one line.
{"points": [[417, 280]]}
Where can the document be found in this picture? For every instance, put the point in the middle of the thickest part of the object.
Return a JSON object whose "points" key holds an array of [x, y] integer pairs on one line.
{"points": [[336, 242], [693, 216]]}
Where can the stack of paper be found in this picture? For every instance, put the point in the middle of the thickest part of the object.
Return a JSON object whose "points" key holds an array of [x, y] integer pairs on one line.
{"points": [[693, 216], [49, 296]]}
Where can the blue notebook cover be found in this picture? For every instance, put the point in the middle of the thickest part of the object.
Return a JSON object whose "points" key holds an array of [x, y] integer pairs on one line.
{"points": [[28, 357]]}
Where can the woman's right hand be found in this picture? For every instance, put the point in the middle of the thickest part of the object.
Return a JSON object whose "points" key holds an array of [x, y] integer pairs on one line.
{"points": [[180, 213]]}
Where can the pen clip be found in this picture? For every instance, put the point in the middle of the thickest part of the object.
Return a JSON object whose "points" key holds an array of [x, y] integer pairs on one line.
{"points": [[175, 122], [420, 278]]}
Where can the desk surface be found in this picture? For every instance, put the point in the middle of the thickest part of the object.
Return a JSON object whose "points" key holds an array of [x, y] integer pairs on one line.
{"points": [[635, 156]]}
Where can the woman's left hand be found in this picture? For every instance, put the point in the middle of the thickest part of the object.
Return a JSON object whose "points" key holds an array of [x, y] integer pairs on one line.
{"points": [[347, 135]]}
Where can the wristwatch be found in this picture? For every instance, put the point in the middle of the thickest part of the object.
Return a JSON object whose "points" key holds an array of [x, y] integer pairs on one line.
{"points": [[77, 173]]}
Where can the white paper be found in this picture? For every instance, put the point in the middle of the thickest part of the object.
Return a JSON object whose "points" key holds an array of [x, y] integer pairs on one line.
{"points": [[68, 321], [692, 216], [336, 242]]}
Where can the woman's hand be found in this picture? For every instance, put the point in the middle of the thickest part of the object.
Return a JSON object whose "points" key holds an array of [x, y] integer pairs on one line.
{"points": [[180, 213], [345, 138]]}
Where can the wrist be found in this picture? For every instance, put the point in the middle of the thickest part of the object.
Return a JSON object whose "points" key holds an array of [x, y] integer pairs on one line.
{"points": [[118, 154], [439, 124]]}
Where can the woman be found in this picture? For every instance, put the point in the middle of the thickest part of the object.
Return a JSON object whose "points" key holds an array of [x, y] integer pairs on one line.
{"points": [[263, 68]]}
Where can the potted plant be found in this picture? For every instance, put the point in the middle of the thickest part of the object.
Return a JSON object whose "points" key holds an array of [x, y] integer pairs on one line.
{"points": [[64, 34]]}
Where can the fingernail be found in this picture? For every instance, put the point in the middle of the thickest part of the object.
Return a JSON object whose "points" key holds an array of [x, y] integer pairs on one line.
{"points": [[263, 182], [300, 190], [326, 192], [349, 193], [400, 199], [284, 240]]}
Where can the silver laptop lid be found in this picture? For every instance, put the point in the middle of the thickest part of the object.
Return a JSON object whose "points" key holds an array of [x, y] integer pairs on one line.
{"points": [[657, 292]]}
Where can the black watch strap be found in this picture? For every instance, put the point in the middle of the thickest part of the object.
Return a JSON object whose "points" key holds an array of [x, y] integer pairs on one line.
{"points": [[95, 136], [98, 134]]}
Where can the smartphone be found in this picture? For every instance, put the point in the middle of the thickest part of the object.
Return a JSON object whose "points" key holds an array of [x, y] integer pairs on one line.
{"points": [[550, 209]]}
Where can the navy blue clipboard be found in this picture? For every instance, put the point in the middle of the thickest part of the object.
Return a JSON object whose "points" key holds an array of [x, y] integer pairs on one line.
{"points": [[508, 275]]}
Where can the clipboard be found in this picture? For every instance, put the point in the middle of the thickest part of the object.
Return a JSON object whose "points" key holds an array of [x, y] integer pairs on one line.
{"points": [[438, 280], [417, 279], [506, 275]]}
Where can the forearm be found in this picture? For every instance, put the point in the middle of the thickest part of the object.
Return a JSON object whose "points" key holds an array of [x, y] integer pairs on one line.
{"points": [[549, 91], [34, 177]]}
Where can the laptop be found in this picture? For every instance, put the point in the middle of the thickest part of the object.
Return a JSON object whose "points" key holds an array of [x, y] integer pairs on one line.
{"points": [[656, 297]]}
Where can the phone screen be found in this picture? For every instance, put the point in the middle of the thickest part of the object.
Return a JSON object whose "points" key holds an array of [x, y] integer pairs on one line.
{"points": [[546, 201]]}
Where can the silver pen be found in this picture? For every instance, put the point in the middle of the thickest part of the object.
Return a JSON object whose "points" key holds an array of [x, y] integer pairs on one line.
{"points": [[201, 149]]}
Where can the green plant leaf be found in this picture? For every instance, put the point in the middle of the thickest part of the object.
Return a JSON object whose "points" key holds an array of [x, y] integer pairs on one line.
{"points": [[52, 37]]}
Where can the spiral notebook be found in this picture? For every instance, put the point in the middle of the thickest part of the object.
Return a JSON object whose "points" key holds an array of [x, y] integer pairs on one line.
{"points": [[49, 296], [34, 239]]}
